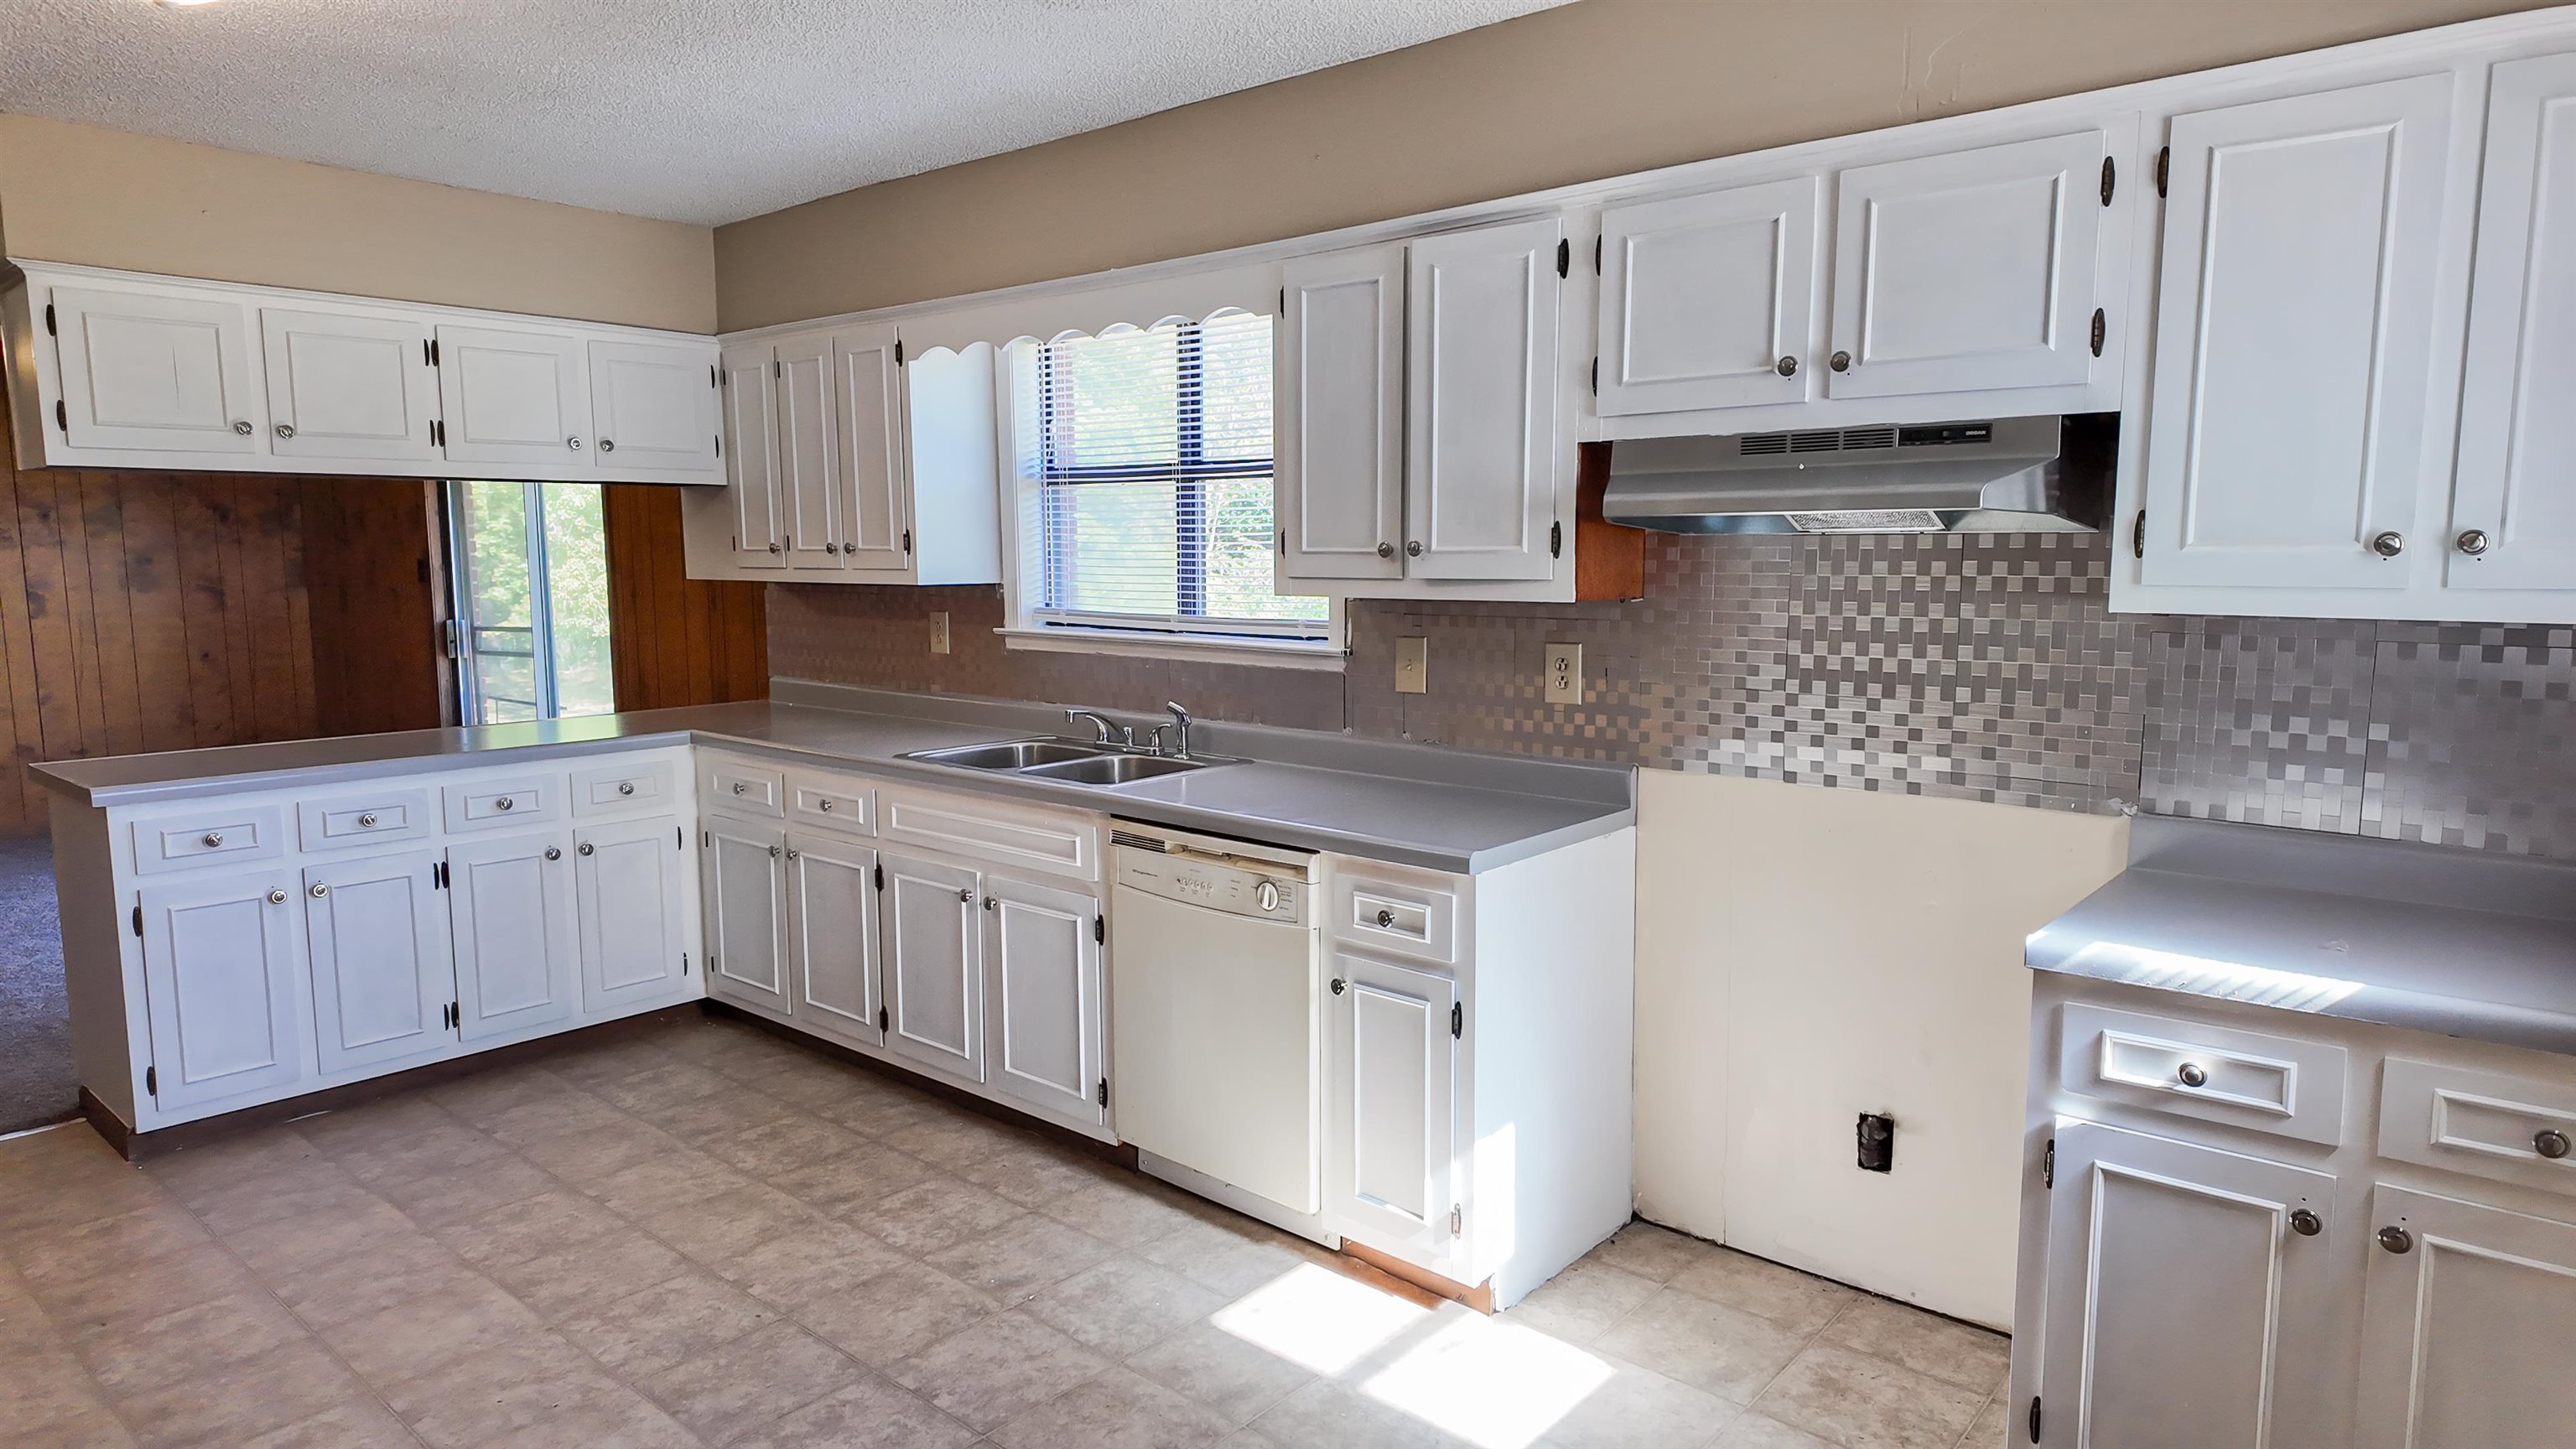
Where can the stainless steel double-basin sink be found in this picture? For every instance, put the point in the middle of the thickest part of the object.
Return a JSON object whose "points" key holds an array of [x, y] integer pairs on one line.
{"points": [[1071, 761]]}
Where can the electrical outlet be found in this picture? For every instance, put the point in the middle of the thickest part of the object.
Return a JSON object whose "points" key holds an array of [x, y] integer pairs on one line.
{"points": [[1413, 665], [1565, 674], [939, 632]]}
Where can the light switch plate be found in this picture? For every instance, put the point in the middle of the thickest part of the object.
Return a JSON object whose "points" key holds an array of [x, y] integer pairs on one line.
{"points": [[1565, 674], [939, 632], [1413, 665]]}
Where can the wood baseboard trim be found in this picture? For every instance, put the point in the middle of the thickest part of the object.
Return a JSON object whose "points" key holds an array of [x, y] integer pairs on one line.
{"points": [[143, 1146], [1479, 1298]]}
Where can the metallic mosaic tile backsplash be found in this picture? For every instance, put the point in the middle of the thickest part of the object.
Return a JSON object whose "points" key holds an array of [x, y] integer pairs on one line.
{"points": [[1986, 668]]}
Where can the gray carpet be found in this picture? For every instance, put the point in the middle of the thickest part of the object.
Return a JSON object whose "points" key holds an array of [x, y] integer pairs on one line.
{"points": [[36, 1081]]}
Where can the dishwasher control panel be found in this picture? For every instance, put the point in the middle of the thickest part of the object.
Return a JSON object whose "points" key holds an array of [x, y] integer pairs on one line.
{"points": [[1216, 885]]}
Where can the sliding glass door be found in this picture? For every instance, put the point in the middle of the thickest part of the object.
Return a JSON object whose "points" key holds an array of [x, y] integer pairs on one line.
{"points": [[531, 608]]}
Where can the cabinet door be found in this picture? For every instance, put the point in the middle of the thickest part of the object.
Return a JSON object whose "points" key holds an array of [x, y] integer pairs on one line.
{"points": [[1967, 271], [2293, 322], [746, 892], [933, 965], [1709, 301], [2184, 1307], [753, 453], [219, 974], [1390, 1137], [344, 385], [2465, 1334], [868, 413], [627, 889], [152, 371], [382, 971], [808, 455], [515, 397], [1339, 394], [2516, 483], [511, 898], [1042, 1008], [1480, 416], [653, 406], [832, 935]]}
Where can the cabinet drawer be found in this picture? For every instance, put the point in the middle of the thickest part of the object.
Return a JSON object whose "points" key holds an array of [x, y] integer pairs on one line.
{"points": [[2479, 1123], [2216, 1074], [622, 789], [519, 800], [835, 802], [370, 817], [1383, 913], [1058, 841], [217, 833], [740, 786]]}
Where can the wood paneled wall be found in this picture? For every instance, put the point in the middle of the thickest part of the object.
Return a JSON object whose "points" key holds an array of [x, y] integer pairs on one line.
{"points": [[674, 640], [375, 578]]}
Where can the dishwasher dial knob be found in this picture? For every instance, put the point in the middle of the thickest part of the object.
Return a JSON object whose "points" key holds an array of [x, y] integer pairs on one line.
{"points": [[1267, 897]]}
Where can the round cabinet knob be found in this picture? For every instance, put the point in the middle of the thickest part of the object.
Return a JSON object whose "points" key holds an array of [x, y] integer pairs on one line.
{"points": [[625, 787], [320, 890], [1787, 366], [773, 852], [823, 805], [1413, 548], [2306, 1223], [1386, 550], [286, 430], [573, 443], [277, 898], [242, 426], [606, 445], [2472, 541], [1337, 986], [2388, 544], [2193, 1074], [367, 821], [966, 897], [214, 838], [773, 548], [739, 787], [554, 852], [504, 803], [831, 548], [2396, 1239], [1385, 920], [1267, 897], [2551, 1143], [989, 905], [1840, 362], [791, 855], [587, 848]]}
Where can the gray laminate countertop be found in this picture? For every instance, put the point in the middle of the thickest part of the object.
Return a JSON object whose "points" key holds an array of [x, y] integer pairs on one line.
{"points": [[2462, 943], [1407, 804]]}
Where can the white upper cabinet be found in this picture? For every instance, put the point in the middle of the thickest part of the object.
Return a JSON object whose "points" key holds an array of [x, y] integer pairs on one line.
{"points": [[1481, 402], [349, 385], [1338, 397], [1708, 301], [748, 390], [2513, 507], [808, 454], [513, 396], [1968, 271], [2294, 323], [153, 371], [653, 407], [874, 531]]}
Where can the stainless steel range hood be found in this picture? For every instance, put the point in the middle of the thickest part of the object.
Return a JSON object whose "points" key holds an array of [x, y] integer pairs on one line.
{"points": [[2002, 475]]}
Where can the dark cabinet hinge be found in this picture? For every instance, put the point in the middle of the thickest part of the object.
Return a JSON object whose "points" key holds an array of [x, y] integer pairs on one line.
{"points": [[880, 875], [2110, 179], [2034, 1418], [434, 359], [1458, 1020], [1100, 929], [2099, 322], [684, 963], [883, 1024], [50, 330], [2164, 164], [1283, 301], [1556, 540], [1104, 1091], [438, 875], [777, 368], [1596, 377], [152, 1081], [138, 920], [907, 543], [1564, 256], [2048, 1164], [2138, 536], [424, 353], [719, 445], [679, 837], [62, 417], [898, 352], [1596, 256]]}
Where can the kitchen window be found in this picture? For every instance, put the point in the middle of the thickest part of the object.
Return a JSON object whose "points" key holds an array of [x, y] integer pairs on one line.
{"points": [[529, 630], [1145, 456]]}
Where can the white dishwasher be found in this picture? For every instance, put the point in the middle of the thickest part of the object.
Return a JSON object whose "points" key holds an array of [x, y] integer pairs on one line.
{"points": [[1216, 1022]]}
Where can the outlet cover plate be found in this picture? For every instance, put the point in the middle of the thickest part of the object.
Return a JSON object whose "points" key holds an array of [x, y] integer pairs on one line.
{"points": [[1413, 665], [939, 632], [1565, 674]]}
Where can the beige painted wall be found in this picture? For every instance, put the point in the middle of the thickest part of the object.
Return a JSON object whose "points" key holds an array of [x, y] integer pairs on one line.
{"points": [[1595, 89], [1805, 955], [73, 193]]}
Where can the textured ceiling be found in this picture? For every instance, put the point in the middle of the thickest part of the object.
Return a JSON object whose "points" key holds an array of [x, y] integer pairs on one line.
{"points": [[691, 110]]}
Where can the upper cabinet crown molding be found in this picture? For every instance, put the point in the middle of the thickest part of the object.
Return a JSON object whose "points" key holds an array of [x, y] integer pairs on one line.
{"points": [[125, 370]]}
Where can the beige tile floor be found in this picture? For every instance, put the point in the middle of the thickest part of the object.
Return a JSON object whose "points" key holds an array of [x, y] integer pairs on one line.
{"points": [[709, 1236]]}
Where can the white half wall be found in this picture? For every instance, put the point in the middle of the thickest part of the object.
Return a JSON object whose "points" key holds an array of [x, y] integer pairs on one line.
{"points": [[1805, 955]]}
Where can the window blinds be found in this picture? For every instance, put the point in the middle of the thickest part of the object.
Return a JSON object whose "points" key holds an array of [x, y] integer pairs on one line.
{"points": [[1153, 465]]}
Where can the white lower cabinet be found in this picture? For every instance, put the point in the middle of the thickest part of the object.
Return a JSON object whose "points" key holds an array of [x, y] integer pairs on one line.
{"points": [[2470, 1315], [629, 891], [1390, 1102], [1042, 998], [933, 968], [745, 895], [219, 976], [384, 978], [832, 936], [511, 901]]}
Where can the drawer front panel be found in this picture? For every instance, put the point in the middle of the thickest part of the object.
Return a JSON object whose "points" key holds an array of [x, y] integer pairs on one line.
{"points": [[2213, 1074], [623, 789], [497, 804], [740, 786], [1408, 918], [2511, 1129], [835, 802], [218, 833], [1059, 842], [376, 817]]}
